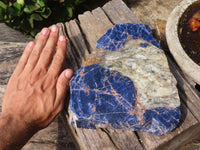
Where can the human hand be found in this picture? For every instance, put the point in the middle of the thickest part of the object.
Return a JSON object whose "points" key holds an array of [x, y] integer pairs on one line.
{"points": [[36, 91]]}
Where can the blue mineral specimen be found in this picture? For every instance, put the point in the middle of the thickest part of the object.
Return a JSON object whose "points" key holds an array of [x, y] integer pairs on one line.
{"points": [[117, 36], [98, 94], [100, 97], [104, 98]]}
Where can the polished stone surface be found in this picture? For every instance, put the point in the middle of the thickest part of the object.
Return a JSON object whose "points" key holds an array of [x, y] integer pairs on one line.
{"points": [[116, 37], [126, 84]]}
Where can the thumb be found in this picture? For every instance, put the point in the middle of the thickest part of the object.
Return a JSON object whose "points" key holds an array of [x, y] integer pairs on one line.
{"points": [[62, 86]]}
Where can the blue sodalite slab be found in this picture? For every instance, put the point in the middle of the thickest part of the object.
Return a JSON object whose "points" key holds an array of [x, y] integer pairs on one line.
{"points": [[108, 102], [116, 37], [111, 89]]}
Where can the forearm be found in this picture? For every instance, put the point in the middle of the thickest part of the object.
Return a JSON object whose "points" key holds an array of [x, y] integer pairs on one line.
{"points": [[13, 133]]}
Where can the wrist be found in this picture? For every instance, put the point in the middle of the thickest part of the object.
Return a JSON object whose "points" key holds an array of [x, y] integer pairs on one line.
{"points": [[14, 132]]}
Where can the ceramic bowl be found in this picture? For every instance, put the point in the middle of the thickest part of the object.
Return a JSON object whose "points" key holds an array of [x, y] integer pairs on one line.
{"points": [[187, 65]]}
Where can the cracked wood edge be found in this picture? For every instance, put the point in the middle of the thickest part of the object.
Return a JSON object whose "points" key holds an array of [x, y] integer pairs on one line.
{"points": [[119, 13], [88, 25], [77, 39]]}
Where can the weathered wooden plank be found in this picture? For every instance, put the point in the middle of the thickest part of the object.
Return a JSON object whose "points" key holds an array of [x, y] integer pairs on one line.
{"points": [[119, 13], [71, 129], [77, 39], [53, 137], [94, 24], [102, 20], [95, 139], [160, 30], [124, 139], [188, 93], [87, 23]]}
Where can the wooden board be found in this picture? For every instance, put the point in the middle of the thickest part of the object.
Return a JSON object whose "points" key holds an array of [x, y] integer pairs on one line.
{"points": [[93, 25], [119, 13], [54, 137], [77, 39]]}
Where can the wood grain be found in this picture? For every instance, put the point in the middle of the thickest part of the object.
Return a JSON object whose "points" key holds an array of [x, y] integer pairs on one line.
{"points": [[119, 13], [77, 39], [102, 20], [88, 26], [54, 137], [124, 139]]}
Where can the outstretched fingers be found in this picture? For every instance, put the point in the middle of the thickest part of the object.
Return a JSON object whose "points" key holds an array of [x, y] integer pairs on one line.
{"points": [[35, 54], [24, 58], [49, 49]]}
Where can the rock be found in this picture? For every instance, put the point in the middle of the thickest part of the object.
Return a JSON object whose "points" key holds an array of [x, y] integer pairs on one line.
{"points": [[8, 34], [126, 84]]}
